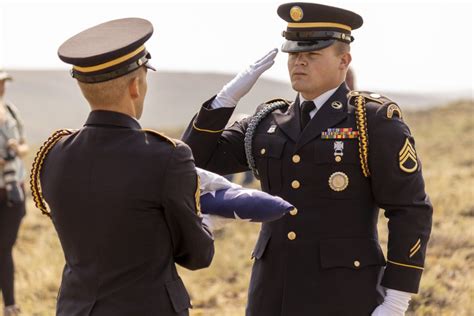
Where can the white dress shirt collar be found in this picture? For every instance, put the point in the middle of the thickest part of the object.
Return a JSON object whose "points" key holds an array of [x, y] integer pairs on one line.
{"points": [[319, 101]]}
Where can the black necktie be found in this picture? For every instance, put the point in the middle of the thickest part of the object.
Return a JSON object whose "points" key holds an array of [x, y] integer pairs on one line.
{"points": [[306, 107]]}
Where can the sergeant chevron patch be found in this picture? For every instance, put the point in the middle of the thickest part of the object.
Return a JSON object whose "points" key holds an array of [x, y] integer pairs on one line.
{"points": [[407, 158]]}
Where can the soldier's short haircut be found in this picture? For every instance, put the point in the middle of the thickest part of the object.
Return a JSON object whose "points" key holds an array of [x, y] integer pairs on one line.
{"points": [[108, 92], [341, 47]]}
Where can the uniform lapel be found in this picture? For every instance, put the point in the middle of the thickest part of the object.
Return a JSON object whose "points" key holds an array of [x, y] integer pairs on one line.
{"points": [[289, 121], [326, 117]]}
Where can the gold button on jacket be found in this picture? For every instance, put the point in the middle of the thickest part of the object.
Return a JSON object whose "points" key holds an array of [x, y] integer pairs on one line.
{"points": [[295, 184], [291, 235]]}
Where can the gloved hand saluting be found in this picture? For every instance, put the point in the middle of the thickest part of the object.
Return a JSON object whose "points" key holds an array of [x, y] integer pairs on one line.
{"points": [[234, 90]]}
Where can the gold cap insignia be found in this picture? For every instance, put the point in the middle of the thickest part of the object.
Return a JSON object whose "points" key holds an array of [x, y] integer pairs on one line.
{"points": [[338, 181], [407, 158], [336, 105], [296, 13]]}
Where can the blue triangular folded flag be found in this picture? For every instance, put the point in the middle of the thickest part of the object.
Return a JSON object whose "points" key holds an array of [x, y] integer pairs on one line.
{"points": [[244, 204]]}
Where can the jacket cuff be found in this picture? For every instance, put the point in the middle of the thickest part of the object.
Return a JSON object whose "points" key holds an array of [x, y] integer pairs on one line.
{"points": [[402, 277], [211, 120]]}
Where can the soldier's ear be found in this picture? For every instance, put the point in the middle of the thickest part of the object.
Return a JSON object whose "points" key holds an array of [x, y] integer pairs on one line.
{"points": [[346, 59], [134, 88]]}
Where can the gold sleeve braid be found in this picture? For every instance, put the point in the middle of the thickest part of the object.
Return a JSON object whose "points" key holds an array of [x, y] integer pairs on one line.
{"points": [[363, 135], [35, 184]]}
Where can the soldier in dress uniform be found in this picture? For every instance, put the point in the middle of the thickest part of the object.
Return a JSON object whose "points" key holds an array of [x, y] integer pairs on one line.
{"points": [[124, 201], [338, 156]]}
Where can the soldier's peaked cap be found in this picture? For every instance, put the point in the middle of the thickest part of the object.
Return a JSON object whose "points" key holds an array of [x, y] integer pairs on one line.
{"points": [[108, 50], [313, 26]]}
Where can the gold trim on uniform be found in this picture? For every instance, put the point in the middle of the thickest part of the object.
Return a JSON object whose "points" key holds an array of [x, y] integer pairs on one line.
{"points": [[206, 130], [197, 196], [35, 182], [110, 63], [320, 24], [296, 13], [393, 108], [415, 248], [408, 153], [338, 181], [363, 135], [405, 265]]}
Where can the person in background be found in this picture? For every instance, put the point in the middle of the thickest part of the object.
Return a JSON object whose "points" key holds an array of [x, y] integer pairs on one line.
{"points": [[351, 79], [12, 197]]}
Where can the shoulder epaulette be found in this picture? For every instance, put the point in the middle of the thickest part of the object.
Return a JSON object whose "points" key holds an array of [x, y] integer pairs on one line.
{"points": [[278, 100], [35, 183], [374, 97], [161, 135], [392, 109], [262, 112]]}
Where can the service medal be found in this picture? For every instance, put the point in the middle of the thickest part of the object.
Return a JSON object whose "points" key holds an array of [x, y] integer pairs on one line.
{"points": [[338, 181]]}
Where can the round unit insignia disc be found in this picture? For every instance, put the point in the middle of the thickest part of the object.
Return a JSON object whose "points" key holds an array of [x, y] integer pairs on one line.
{"points": [[296, 13], [337, 105], [338, 181]]}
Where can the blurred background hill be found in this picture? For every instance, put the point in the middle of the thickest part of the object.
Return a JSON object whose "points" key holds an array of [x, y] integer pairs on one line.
{"points": [[50, 100]]}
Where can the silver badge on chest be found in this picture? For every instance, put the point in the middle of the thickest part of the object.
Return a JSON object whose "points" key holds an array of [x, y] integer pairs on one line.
{"points": [[272, 129], [338, 150]]}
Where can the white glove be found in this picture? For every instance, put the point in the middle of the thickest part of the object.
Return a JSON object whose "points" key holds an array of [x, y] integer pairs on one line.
{"points": [[234, 90], [210, 181], [395, 304], [215, 222]]}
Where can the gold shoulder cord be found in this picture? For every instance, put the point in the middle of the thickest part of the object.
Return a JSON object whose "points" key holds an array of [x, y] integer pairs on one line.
{"points": [[36, 169], [363, 135]]}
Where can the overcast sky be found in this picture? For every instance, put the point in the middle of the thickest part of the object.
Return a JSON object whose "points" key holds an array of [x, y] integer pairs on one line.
{"points": [[412, 46]]}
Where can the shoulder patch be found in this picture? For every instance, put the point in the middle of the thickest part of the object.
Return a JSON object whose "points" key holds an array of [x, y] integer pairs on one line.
{"points": [[394, 109], [161, 135], [40, 156]]}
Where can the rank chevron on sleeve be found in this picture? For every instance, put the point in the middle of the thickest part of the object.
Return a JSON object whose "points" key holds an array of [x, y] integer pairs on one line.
{"points": [[408, 153]]}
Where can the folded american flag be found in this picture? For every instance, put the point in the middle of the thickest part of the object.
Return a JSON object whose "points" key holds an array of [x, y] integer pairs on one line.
{"points": [[244, 204]]}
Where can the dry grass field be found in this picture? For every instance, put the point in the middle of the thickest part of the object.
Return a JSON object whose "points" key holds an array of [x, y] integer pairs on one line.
{"points": [[445, 143]]}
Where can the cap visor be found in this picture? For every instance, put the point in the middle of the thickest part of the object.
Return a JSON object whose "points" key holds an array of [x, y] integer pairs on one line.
{"points": [[300, 46], [149, 66]]}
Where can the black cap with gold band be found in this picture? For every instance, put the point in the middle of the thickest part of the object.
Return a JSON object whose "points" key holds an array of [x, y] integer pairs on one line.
{"points": [[313, 26], [108, 50]]}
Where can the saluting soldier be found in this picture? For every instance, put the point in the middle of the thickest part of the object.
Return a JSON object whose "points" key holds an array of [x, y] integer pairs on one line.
{"points": [[338, 156], [124, 200]]}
